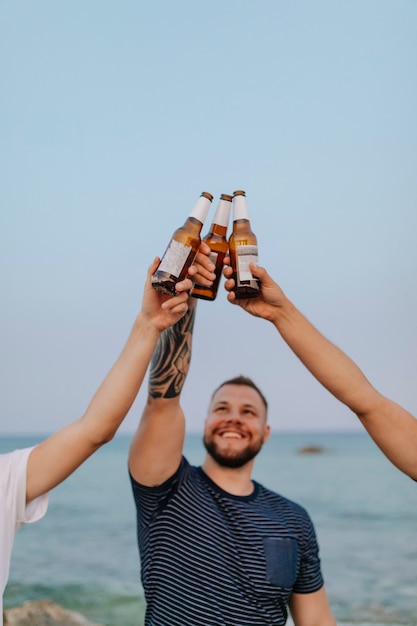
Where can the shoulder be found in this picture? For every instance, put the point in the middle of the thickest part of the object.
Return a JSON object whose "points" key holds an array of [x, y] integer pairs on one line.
{"points": [[184, 471], [182, 486], [13, 464]]}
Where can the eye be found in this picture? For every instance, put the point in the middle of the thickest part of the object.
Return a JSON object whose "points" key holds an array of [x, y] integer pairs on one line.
{"points": [[220, 409]]}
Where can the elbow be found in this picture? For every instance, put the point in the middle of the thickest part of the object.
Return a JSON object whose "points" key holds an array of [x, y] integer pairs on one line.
{"points": [[100, 439], [97, 434], [106, 439]]}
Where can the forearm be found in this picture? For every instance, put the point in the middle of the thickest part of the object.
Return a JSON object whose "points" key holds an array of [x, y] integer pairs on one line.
{"points": [[171, 359], [157, 445], [328, 364], [392, 428], [116, 394], [59, 455]]}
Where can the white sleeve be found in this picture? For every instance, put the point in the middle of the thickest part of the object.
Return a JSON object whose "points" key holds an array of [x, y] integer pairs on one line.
{"points": [[14, 466], [13, 509]]}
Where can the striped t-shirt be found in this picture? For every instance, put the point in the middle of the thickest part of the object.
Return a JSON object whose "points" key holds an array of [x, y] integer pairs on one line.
{"points": [[209, 558]]}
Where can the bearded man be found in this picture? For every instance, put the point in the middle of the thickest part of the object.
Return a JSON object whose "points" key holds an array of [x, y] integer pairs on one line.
{"points": [[216, 547]]}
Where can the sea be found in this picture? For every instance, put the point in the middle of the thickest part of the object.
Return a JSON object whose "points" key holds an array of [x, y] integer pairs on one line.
{"points": [[83, 554]]}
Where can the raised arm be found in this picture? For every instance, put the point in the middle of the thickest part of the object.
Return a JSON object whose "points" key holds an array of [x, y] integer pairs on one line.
{"points": [[156, 449], [58, 456], [392, 428]]}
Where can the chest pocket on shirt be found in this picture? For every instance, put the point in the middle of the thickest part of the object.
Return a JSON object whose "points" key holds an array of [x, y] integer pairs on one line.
{"points": [[281, 557]]}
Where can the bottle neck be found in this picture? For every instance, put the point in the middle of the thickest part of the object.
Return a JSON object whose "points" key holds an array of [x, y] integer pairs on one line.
{"points": [[221, 217], [200, 209], [193, 224], [241, 226], [218, 229], [240, 208]]}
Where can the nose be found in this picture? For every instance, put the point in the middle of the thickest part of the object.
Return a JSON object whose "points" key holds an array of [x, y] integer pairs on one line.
{"points": [[234, 417]]}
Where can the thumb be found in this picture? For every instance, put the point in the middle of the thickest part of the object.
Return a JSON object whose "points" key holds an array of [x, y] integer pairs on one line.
{"points": [[260, 272], [153, 266]]}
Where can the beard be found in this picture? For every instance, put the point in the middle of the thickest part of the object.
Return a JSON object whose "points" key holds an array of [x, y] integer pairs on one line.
{"points": [[231, 459]]}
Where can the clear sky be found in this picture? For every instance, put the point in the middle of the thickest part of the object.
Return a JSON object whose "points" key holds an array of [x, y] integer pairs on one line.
{"points": [[115, 116]]}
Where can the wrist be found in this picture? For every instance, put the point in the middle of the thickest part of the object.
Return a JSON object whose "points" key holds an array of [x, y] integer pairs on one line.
{"points": [[283, 313], [145, 327]]}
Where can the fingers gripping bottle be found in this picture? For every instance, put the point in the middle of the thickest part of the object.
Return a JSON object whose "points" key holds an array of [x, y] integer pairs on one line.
{"points": [[217, 242], [182, 248], [243, 249]]}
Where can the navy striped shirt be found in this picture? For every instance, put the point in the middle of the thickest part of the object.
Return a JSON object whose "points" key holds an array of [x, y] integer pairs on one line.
{"points": [[209, 558]]}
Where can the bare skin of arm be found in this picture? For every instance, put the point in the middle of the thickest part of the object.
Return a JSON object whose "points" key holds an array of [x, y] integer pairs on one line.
{"points": [[156, 448], [53, 460], [311, 609], [392, 428]]}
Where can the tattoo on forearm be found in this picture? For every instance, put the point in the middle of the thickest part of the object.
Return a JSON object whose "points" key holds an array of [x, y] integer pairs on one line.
{"points": [[171, 359]]}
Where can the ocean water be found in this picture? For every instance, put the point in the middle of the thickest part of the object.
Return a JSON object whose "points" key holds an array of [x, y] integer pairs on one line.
{"points": [[83, 554]]}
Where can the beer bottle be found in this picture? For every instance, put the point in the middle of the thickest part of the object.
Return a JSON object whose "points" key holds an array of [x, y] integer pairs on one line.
{"points": [[182, 249], [217, 242], [243, 249]]}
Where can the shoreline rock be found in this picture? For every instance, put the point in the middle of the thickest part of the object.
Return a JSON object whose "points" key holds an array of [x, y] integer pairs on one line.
{"points": [[44, 613], [311, 449]]}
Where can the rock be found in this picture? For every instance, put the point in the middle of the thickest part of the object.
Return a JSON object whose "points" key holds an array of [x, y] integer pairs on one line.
{"points": [[311, 450], [43, 613]]}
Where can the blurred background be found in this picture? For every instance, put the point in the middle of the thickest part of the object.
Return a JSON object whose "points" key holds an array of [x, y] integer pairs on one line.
{"points": [[115, 116]]}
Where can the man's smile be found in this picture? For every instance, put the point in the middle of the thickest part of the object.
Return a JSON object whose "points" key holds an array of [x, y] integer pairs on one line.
{"points": [[227, 433]]}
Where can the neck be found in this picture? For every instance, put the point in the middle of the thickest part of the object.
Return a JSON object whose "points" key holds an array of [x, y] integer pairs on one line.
{"points": [[234, 480]]}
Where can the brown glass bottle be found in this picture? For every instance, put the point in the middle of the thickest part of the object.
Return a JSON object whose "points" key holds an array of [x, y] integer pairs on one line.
{"points": [[182, 248], [243, 249], [217, 242]]}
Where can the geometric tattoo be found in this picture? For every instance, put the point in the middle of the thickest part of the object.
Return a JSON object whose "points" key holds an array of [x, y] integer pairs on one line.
{"points": [[171, 359]]}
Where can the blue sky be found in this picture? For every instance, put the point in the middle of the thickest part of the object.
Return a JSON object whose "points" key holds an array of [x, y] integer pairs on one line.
{"points": [[115, 116]]}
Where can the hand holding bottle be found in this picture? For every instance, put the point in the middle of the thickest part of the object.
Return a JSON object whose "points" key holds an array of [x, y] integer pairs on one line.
{"points": [[163, 310], [182, 248], [159, 311], [202, 271], [218, 244], [267, 304], [243, 249]]}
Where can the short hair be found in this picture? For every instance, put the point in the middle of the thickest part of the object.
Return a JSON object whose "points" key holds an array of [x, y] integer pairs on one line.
{"points": [[245, 381]]}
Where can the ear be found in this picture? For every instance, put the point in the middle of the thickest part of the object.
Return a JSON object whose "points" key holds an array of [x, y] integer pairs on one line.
{"points": [[267, 432]]}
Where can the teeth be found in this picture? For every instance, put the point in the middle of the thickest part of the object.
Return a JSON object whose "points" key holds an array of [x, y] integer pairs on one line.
{"points": [[231, 435]]}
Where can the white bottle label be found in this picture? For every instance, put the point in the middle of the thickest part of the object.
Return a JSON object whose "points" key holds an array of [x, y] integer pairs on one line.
{"points": [[174, 258], [240, 208], [213, 256], [246, 255]]}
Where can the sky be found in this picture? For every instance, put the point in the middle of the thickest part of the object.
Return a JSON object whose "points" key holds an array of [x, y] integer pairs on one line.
{"points": [[115, 116]]}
